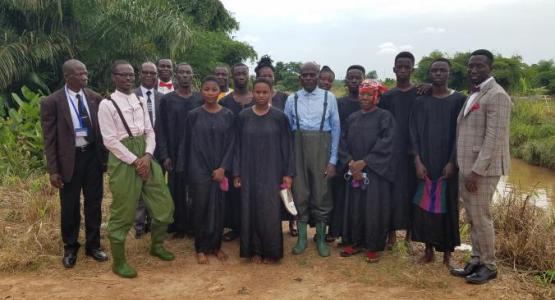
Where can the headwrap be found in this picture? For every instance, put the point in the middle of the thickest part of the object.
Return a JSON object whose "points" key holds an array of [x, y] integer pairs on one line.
{"points": [[372, 87]]}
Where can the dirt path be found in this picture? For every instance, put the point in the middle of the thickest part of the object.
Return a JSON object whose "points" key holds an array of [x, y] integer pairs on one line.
{"points": [[296, 277]]}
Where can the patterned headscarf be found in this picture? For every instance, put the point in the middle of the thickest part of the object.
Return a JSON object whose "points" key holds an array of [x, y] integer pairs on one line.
{"points": [[373, 87]]}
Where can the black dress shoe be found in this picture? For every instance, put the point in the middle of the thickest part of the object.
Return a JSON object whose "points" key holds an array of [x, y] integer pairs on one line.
{"points": [[69, 259], [97, 255], [467, 270], [482, 275]]}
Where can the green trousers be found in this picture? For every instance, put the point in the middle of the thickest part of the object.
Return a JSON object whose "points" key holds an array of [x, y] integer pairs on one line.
{"points": [[310, 187], [127, 187]]}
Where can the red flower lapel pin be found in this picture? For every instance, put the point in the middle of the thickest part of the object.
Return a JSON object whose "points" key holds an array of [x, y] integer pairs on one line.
{"points": [[475, 106]]}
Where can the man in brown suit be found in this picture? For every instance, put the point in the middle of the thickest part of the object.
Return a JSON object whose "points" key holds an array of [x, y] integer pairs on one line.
{"points": [[75, 158], [482, 157]]}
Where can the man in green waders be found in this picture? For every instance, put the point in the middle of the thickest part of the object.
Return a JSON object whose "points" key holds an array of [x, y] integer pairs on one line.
{"points": [[128, 135], [314, 118]]}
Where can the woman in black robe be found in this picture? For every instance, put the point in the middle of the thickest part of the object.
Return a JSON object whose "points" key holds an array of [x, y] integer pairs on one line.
{"points": [[212, 137], [265, 69], [264, 163], [367, 147]]}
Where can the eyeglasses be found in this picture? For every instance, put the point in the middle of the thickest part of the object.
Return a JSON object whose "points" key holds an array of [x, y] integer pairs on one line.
{"points": [[130, 75], [148, 73]]}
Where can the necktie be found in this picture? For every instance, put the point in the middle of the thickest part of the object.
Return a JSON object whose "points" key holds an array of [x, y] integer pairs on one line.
{"points": [[149, 106], [84, 116], [475, 89]]}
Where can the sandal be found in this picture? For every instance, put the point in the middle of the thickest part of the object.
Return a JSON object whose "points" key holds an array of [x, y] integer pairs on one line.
{"points": [[349, 251], [372, 257]]}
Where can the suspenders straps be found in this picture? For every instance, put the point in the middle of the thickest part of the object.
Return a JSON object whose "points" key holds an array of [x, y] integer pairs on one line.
{"points": [[323, 114], [121, 117]]}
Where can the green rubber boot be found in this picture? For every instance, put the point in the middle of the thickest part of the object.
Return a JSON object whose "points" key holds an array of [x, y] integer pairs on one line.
{"points": [[119, 264], [158, 235], [301, 240], [323, 248]]}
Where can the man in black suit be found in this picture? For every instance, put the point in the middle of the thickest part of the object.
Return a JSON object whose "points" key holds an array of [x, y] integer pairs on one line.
{"points": [[76, 159], [147, 90]]}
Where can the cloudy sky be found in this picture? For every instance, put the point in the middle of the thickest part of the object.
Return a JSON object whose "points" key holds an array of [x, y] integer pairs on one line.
{"points": [[370, 33]]}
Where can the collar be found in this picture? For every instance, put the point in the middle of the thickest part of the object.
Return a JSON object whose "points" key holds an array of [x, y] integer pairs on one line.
{"points": [[144, 90], [316, 91], [483, 84], [117, 95], [71, 93]]}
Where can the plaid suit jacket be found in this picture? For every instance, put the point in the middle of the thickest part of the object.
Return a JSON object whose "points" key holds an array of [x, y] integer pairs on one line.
{"points": [[483, 133]]}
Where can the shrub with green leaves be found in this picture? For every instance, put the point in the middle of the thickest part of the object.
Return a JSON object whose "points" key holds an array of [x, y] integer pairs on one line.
{"points": [[21, 145]]}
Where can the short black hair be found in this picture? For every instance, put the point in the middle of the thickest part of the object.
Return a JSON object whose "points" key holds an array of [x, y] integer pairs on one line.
{"points": [[485, 53], [222, 65], [440, 59], [356, 67], [327, 69], [262, 80], [209, 78], [117, 63], [238, 65], [405, 54], [183, 64], [264, 62]]}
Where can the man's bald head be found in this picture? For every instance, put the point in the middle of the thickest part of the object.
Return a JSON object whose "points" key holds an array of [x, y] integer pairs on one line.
{"points": [[312, 66], [148, 75], [309, 76], [75, 74]]}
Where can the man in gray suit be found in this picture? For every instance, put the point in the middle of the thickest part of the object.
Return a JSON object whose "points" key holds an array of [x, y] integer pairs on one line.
{"points": [[482, 157], [147, 90]]}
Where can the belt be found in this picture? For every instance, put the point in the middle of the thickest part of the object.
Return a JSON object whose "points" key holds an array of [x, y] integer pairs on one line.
{"points": [[85, 148]]}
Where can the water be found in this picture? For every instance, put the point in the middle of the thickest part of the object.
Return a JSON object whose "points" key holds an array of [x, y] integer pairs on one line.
{"points": [[528, 178]]}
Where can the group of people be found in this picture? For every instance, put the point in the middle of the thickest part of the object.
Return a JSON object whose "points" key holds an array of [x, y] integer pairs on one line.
{"points": [[360, 167]]}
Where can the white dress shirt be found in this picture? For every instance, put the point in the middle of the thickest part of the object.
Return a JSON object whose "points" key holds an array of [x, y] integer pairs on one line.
{"points": [[113, 131], [72, 102]]}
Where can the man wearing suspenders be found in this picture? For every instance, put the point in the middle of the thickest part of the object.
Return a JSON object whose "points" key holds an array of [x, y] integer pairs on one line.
{"points": [[128, 135], [314, 119]]}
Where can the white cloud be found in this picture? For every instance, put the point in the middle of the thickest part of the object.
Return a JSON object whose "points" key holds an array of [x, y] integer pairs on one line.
{"points": [[431, 29], [390, 48]]}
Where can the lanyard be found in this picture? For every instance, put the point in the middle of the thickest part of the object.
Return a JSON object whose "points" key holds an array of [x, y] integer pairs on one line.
{"points": [[75, 108]]}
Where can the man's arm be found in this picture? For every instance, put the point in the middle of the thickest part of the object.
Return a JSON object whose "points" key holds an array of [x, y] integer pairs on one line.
{"points": [[498, 111], [48, 120], [335, 128]]}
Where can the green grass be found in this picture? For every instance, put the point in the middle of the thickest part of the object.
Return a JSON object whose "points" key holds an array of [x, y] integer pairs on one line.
{"points": [[533, 131]]}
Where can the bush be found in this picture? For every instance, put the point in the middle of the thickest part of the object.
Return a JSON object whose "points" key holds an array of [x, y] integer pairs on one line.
{"points": [[525, 233], [21, 143], [533, 131]]}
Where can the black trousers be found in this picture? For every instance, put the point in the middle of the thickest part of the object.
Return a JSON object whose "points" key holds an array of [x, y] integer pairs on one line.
{"points": [[87, 177]]}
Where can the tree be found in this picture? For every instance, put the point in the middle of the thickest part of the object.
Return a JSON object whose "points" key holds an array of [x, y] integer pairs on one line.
{"points": [[287, 76], [372, 74]]}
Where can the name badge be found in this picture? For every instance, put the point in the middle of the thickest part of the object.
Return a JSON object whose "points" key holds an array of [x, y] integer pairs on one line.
{"points": [[81, 132]]}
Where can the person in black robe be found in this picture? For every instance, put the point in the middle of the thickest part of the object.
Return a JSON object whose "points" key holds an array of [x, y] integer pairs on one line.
{"points": [[211, 136], [236, 101], [346, 106], [399, 102], [265, 69], [170, 133], [433, 133], [264, 164], [367, 147]]}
